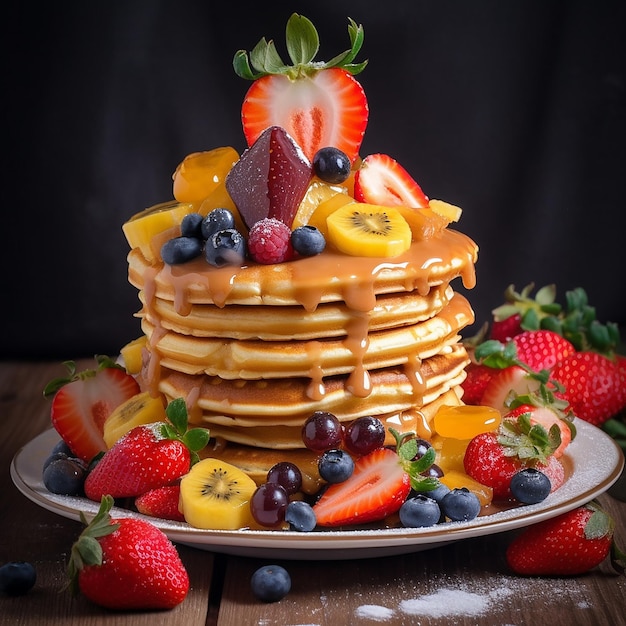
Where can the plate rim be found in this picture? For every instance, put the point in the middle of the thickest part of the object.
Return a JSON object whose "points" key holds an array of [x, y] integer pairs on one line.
{"points": [[341, 543]]}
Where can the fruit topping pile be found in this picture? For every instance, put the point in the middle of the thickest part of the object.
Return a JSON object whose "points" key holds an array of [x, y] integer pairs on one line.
{"points": [[300, 185]]}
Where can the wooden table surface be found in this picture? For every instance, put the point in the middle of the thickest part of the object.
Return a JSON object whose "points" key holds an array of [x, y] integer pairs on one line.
{"points": [[466, 582]]}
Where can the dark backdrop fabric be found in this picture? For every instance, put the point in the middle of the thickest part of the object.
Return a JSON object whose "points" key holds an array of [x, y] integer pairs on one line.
{"points": [[514, 110]]}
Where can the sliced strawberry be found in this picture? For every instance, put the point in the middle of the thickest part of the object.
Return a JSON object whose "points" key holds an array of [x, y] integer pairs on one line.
{"points": [[542, 349], [161, 502], [382, 180], [593, 385], [319, 104], [81, 406], [328, 108], [507, 383], [377, 488]]}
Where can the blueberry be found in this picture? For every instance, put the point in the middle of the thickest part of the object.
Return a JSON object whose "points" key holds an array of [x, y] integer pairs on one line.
{"points": [[61, 446], [419, 511], [308, 240], [180, 250], [335, 466], [216, 220], [17, 578], [191, 225], [331, 165], [226, 247], [460, 505], [270, 583], [65, 476], [530, 486], [436, 494], [300, 516]]}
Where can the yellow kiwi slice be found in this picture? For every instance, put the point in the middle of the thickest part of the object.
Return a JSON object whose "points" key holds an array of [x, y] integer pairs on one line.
{"points": [[317, 192], [361, 229], [132, 354], [216, 495], [141, 409]]}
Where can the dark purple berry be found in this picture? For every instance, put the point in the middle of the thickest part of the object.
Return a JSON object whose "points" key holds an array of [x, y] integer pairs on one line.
{"points": [[331, 165], [226, 247], [180, 250], [307, 240]]}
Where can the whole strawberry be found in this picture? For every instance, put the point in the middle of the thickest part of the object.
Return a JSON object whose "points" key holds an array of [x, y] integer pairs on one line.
{"points": [[594, 385], [149, 456], [126, 564], [542, 349], [493, 458], [566, 545]]}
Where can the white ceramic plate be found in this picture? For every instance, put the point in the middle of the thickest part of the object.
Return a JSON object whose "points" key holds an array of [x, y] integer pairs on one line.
{"points": [[594, 462]]}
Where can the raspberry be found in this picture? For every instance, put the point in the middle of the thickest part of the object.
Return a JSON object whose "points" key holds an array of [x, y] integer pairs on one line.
{"points": [[269, 241]]}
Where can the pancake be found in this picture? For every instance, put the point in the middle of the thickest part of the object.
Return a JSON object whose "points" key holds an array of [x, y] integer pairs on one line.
{"points": [[278, 359], [288, 323], [288, 401], [307, 282]]}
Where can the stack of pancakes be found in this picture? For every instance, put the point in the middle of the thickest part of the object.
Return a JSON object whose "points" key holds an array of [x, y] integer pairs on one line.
{"points": [[255, 350]]}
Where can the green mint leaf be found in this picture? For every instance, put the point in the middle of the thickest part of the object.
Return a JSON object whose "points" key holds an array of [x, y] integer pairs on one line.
{"points": [[424, 462], [408, 450]]}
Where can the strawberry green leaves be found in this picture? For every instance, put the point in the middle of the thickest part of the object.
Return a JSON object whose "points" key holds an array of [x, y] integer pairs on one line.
{"points": [[87, 550], [195, 438], [302, 42]]}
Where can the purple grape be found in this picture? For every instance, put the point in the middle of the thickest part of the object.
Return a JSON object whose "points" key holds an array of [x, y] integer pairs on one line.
{"points": [[268, 504], [364, 435], [287, 475], [322, 431]]}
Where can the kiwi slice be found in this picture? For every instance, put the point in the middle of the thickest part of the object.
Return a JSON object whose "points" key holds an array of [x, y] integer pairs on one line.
{"points": [[216, 495], [361, 229]]}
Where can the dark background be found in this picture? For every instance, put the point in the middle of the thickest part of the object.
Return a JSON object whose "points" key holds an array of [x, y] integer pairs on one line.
{"points": [[514, 110]]}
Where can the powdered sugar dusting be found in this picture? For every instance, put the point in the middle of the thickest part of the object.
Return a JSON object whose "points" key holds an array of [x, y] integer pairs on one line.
{"points": [[374, 612], [461, 599], [447, 603]]}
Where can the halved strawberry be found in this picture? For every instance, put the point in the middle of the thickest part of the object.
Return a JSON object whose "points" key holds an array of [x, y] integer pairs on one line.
{"points": [[382, 180], [377, 488], [82, 402], [319, 104], [505, 384]]}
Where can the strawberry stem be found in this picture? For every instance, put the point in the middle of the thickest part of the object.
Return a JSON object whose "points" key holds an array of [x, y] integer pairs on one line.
{"points": [[87, 550], [302, 42]]}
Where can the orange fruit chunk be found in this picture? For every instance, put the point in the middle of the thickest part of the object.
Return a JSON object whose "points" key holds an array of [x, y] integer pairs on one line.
{"points": [[465, 421], [455, 480]]}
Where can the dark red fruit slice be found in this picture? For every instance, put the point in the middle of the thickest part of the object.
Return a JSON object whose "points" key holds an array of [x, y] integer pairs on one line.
{"points": [[270, 179]]}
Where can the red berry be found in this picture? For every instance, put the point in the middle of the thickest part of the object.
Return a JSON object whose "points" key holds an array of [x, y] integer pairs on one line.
{"points": [[269, 241]]}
